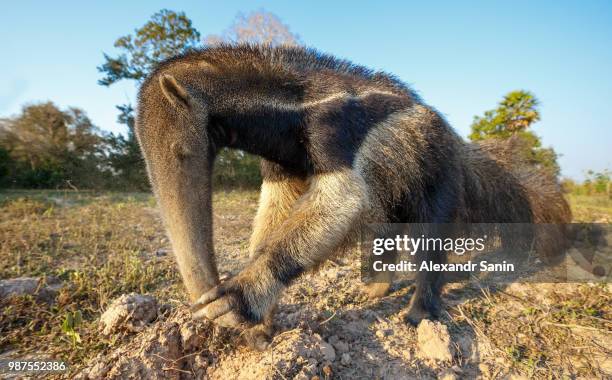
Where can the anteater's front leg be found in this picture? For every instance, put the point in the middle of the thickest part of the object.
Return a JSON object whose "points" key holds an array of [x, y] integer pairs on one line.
{"points": [[279, 193], [317, 225]]}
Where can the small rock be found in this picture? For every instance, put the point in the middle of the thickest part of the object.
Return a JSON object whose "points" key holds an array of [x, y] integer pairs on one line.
{"points": [[500, 360], [369, 315], [355, 328], [99, 369], [406, 354], [434, 341], [307, 371], [468, 347], [303, 351], [345, 359], [18, 286], [383, 333], [333, 339], [44, 289], [341, 346], [161, 252], [130, 311], [327, 350], [517, 288], [200, 363]]}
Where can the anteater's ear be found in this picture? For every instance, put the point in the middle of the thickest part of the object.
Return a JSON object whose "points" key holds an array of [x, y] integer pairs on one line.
{"points": [[173, 91]]}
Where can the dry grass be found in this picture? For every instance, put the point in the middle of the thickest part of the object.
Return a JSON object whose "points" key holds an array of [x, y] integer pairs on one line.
{"points": [[543, 329], [595, 208], [102, 245]]}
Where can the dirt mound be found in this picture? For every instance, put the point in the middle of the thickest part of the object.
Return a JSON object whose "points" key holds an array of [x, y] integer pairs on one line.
{"points": [[322, 330], [177, 348], [130, 311], [326, 328], [151, 356]]}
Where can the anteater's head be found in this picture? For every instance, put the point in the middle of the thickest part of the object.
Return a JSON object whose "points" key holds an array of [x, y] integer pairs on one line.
{"points": [[173, 129]]}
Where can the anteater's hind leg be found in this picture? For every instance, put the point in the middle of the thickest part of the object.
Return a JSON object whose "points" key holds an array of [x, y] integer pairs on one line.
{"points": [[443, 206], [425, 302]]}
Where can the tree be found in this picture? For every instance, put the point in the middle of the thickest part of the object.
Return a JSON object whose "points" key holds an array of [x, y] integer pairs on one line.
{"points": [[124, 155], [49, 147], [165, 35], [514, 116], [258, 27], [6, 167], [598, 182]]}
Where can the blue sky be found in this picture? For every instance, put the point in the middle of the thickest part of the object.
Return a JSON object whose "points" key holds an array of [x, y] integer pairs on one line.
{"points": [[461, 58]]}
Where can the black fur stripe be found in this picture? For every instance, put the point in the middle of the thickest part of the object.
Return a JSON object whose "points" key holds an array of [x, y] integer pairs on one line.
{"points": [[285, 268]]}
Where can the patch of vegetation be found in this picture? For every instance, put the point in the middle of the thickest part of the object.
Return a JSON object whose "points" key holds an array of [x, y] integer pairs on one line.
{"points": [[591, 208], [539, 338], [102, 245], [99, 246]]}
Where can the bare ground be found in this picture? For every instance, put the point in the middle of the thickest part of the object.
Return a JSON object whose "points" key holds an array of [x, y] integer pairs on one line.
{"points": [[102, 246]]}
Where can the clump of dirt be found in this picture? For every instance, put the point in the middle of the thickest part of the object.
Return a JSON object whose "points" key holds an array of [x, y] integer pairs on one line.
{"points": [[130, 311], [154, 354], [434, 341]]}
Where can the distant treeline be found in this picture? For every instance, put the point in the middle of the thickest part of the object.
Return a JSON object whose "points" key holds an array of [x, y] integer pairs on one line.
{"points": [[596, 183], [47, 147]]}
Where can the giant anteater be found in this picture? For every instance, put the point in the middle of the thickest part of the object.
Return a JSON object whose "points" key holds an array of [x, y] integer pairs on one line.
{"points": [[340, 146]]}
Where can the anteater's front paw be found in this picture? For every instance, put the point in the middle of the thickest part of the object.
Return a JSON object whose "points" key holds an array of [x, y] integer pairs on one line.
{"points": [[226, 305]]}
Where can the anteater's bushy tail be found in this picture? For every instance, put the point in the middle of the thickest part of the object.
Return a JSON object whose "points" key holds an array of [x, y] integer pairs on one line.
{"points": [[502, 188]]}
